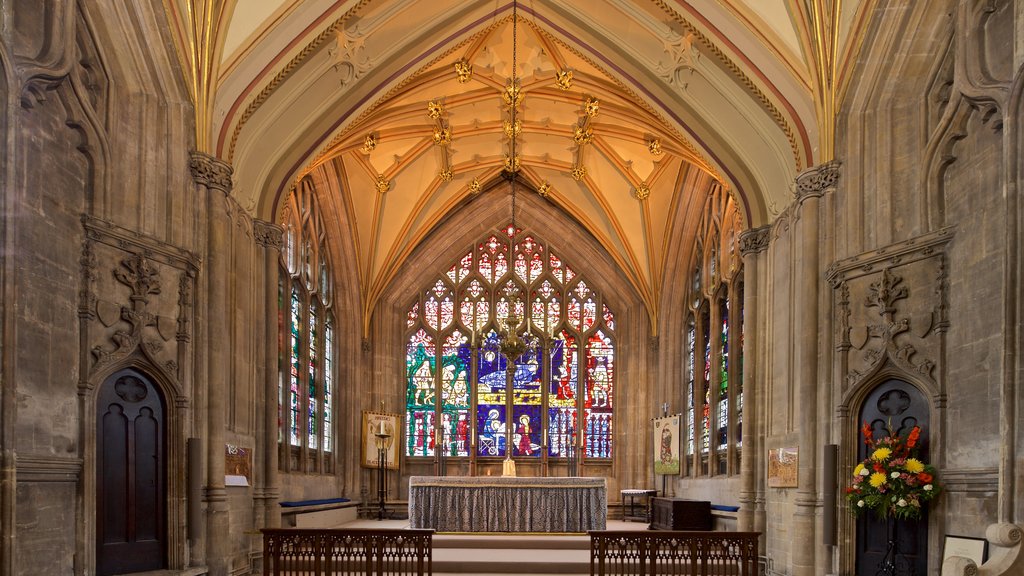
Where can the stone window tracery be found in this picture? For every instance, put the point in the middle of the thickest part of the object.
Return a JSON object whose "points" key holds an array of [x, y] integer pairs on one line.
{"points": [[713, 336], [307, 388]]}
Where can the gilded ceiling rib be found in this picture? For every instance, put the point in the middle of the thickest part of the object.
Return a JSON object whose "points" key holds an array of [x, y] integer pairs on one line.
{"points": [[199, 39], [768, 106]]}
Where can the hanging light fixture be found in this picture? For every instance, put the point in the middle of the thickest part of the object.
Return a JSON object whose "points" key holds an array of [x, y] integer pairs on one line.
{"points": [[511, 343]]}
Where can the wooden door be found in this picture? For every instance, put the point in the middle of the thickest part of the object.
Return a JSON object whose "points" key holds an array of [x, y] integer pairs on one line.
{"points": [[900, 406], [131, 459]]}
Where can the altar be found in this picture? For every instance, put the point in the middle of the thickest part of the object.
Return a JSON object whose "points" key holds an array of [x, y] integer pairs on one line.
{"points": [[501, 504]]}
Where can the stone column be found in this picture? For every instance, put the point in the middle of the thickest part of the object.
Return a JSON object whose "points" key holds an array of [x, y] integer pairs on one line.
{"points": [[268, 236], [214, 176], [812, 184], [753, 243]]}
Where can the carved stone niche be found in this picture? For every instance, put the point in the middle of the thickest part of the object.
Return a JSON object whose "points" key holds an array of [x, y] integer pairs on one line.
{"points": [[136, 297], [891, 306]]}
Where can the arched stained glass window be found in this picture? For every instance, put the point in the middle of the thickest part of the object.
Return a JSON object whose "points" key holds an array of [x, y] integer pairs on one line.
{"points": [[487, 406], [309, 391], [712, 378]]}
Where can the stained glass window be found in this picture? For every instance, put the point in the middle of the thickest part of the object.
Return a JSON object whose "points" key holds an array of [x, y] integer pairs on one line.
{"points": [[309, 333], [691, 341], [293, 393], [723, 378], [553, 401], [328, 383]]}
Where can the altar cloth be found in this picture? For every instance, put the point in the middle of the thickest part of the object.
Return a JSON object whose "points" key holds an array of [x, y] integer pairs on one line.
{"points": [[499, 504]]}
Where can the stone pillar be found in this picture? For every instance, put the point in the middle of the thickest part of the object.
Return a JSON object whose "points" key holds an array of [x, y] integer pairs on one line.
{"points": [[812, 184], [753, 243], [268, 236], [214, 176]]}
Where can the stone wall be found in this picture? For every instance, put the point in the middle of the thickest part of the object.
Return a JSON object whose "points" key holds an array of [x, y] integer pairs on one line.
{"points": [[925, 204], [107, 264]]}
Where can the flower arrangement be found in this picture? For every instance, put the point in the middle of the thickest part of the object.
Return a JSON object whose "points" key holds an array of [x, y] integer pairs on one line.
{"points": [[891, 480]]}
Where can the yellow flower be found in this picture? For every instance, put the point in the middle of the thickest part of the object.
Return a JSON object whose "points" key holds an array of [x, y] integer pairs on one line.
{"points": [[881, 454], [877, 479], [914, 466], [858, 469]]}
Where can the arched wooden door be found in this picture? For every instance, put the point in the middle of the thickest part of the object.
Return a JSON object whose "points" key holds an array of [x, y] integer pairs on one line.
{"points": [[900, 406], [131, 472]]}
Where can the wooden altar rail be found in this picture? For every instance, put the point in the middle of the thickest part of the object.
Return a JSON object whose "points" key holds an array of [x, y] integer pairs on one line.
{"points": [[319, 552], [634, 553]]}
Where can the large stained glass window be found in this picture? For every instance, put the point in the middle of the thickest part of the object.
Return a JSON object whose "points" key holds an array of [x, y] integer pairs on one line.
{"points": [[713, 375], [309, 389], [554, 401]]}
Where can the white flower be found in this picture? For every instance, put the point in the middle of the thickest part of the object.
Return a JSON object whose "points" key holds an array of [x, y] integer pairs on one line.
{"points": [[894, 475], [865, 472], [860, 503], [927, 487], [901, 503]]}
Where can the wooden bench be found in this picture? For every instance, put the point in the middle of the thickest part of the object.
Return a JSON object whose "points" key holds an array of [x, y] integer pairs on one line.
{"points": [[313, 552], [632, 553], [323, 513]]}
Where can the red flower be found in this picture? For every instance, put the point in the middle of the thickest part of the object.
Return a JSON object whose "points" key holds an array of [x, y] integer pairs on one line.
{"points": [[924, 477], [912, 438], [866, 431], [879, 468]]}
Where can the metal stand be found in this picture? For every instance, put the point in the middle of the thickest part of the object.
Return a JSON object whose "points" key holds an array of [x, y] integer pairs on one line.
{"points": [[887, 567], [382, 469]]}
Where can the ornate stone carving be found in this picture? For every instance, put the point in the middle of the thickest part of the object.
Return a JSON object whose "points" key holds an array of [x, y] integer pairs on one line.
{"points": [[268, 234], [210, 172], [351, 59], [817, 180], [891, 304], [140, 276], [131, 316], [755, 240]]}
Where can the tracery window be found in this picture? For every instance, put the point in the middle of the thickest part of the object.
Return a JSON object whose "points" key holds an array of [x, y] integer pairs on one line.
{"points": [[307, 390], [460, 389], [713, 338]]}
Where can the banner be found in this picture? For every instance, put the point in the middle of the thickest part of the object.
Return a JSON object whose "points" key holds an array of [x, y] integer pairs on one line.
{"points": [[666, 445]]}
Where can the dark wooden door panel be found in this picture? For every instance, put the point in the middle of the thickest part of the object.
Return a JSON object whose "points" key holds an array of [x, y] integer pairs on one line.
{"points": [[131, 468]]}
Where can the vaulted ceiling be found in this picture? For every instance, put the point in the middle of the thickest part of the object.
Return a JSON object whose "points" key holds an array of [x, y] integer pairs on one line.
{"points": [[630, 108]]}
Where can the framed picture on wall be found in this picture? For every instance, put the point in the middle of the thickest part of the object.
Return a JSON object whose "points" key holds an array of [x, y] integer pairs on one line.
{"points": [[374, 425], [975, 549], [782, 467]]}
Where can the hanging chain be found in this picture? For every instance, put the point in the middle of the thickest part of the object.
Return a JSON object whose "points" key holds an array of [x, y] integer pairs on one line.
{"points": [[514, 99]]}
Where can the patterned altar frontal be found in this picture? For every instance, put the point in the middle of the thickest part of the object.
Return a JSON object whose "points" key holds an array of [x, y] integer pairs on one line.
{"points": [[494, 504]]}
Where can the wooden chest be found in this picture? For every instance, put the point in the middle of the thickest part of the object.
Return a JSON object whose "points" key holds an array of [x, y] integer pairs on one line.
{"points": [[680, 514]]}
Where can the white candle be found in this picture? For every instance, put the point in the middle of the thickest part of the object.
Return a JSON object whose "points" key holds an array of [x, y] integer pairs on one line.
{"points": [[383, 430]]}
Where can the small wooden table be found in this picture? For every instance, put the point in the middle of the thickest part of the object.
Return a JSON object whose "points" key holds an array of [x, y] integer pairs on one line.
{"points": [[632, 494]]}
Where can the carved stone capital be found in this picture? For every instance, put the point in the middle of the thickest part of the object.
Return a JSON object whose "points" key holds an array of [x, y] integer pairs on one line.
{"points": [[817, 180], [268, 234], [210, 172], [755, 240]]}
